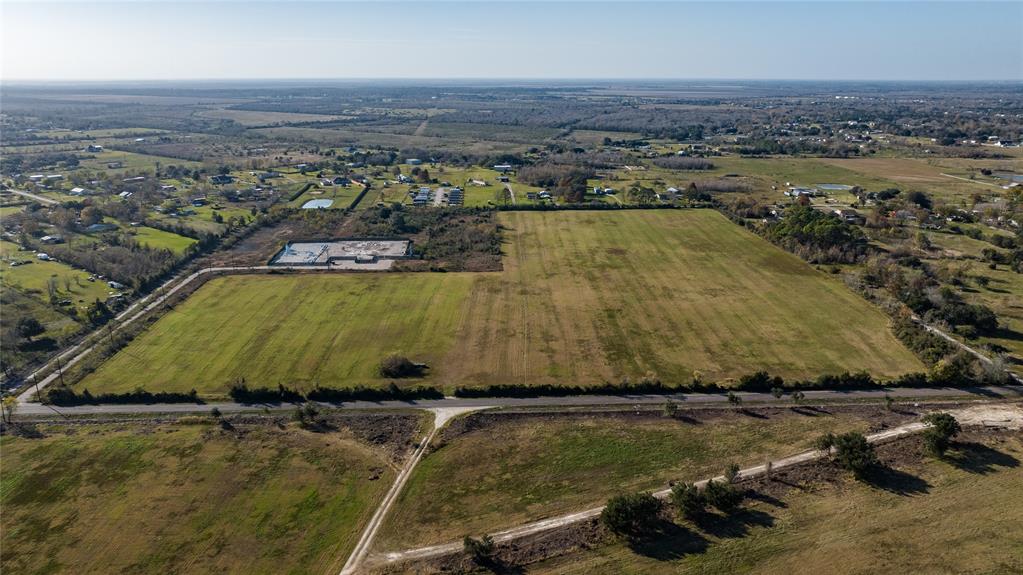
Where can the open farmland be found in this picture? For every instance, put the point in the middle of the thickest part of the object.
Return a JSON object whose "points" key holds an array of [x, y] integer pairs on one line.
{"points": [[962, 515], [295, 330], [590, 296], [173, 498], [583, 298], [546, 465]]}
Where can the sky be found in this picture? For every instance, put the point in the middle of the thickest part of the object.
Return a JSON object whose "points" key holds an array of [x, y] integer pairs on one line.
{"points": [[817, 40]]}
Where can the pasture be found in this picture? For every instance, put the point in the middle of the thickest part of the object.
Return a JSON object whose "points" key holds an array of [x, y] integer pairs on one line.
{"points": [[963, 515], [585, 297], [545, 465], [34, 278], [178, 497]]}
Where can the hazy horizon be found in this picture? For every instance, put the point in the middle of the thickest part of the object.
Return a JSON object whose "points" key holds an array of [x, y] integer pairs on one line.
{"points": [[511, 41]]}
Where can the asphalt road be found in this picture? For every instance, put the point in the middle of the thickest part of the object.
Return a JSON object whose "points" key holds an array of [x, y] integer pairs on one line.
{"points": [[811, 396]]}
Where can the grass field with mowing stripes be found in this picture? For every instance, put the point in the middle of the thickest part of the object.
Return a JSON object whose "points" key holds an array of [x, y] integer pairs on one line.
{"points": [[585, 297]]}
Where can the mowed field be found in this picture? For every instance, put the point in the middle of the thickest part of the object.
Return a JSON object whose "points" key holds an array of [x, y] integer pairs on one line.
{"points": [[299, 331], [177, 498], [592, 296], [585, 297]]}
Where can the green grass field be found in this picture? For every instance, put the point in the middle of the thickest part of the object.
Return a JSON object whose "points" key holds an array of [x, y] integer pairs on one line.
{"points": [[178, 498], [159, 239], [546, 466], [294, 330], [590, 296], [584, 297], [968, 520]]}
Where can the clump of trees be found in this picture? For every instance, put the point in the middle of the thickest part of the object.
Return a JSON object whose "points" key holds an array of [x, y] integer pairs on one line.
{"points": [[818, 237], [399, 366], [632, 516]]}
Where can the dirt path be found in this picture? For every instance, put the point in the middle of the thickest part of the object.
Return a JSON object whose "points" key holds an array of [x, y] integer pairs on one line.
{"points": [[971, 181], [440, 417], [35, 197], [1004, 416], [511, 192]]}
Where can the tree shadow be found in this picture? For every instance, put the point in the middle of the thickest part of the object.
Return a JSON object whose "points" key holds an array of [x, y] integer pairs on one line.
{"points": [[735, 525], [1006, 333], [896, 481], [980, 459], [765, 498], [686, 419], [38, 344], [668, 541], [810, 410], [496, 565]]}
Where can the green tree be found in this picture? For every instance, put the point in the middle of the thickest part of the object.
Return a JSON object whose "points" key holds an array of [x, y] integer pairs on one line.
{"points": [[722, 496], [942, 428], [731, 472], [854, 453], [688, 500], [631, 515], [734, 400], [824, 443], [479, 550], [29, 327]]}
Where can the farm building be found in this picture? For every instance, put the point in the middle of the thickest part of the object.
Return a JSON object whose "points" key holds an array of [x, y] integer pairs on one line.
{"points": [[221, 179], [346, 254]]}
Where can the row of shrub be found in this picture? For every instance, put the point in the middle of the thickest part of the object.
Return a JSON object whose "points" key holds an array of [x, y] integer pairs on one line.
{"points": [[760, 381], [281, 394], [65, 396]]}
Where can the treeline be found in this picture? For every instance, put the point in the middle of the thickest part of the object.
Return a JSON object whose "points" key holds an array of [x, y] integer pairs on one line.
{"points": [[65, 396], [552, 175], [241, 393], [767, 147], [760, 382]]}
